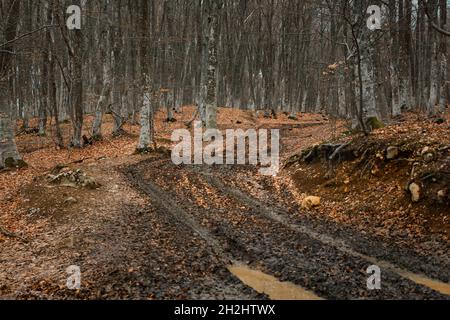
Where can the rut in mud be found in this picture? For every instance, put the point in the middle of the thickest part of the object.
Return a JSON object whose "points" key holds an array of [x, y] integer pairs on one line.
{"points": [[324, 259]]}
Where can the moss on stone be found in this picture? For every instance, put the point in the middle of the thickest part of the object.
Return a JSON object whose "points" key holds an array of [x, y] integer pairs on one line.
{"points": [[374, 123]]}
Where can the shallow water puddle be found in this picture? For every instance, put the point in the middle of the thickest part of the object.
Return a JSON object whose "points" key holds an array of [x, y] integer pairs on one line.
{"points": [[435, 285], [275, 289], [420, 279]]}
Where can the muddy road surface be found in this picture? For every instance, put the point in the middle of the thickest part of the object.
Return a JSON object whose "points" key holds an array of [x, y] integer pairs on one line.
{"points": [[243, 229]]}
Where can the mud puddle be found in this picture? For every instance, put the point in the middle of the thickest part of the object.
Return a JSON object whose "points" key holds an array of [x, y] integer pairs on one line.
{"points": [[269, 285]]}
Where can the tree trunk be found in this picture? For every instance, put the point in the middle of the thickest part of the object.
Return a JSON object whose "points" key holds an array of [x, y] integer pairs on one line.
{"points": [[105, 93], [443, 58], [9, 156], [211, 11], [76, 55], [52, 92], [147, 128], [77, 94], [146, 134], [405, 84]]}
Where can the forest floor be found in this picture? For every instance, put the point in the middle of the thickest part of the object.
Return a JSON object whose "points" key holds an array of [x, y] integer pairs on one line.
{"points": [[153, 230]]}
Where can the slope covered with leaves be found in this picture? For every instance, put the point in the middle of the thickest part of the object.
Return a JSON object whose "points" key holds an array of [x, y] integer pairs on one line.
{"points": [[395, 183]]}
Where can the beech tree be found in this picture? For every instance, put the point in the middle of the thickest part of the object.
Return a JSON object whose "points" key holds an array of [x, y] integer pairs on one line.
{"points": [[131, 59], [10, 12]]}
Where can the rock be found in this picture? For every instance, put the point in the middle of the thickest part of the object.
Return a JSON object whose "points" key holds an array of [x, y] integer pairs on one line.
{"points": [[414, 189], [392, 152], [33, 211], [311, 202], [70, 200], [76, 178]]}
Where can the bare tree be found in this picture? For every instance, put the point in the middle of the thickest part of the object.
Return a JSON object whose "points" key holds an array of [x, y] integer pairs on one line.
{"points": [[9, 156]]}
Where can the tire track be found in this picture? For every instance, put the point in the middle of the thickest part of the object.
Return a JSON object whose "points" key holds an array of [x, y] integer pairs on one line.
{"points": [[323, 266], [276, 215], [165, 202]]}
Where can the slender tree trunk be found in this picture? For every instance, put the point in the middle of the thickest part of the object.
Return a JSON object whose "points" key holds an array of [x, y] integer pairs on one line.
{"points": [[9, 155], [75, 48], [405, 85], [77, 92], [119, 74], [434, 78], [52, 92], [105, 93], [44, 99], [102, 105], [146, 135], [203, 63], [443, 58], [211, 96], [394, 60]]}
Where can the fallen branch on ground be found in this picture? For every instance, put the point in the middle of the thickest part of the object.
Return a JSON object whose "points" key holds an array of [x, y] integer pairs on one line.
{"points": [[28, 131]]}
